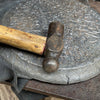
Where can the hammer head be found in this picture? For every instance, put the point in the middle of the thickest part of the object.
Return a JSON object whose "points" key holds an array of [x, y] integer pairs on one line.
{"points": [[54, 47]]}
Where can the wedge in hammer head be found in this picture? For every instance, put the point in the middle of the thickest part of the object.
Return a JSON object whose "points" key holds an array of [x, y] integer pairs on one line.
{"points": [[54, 47]]}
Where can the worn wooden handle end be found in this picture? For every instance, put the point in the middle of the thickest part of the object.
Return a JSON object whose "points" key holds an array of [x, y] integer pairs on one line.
{"points": [[22, 40]]}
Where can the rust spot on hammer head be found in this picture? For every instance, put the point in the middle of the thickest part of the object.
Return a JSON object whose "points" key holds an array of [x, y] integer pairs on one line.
{"points": [[56, 27]]}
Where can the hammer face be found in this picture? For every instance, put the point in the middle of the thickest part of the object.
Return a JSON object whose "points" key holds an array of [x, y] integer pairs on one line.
{"points": [[54, 46], [50, 65]]}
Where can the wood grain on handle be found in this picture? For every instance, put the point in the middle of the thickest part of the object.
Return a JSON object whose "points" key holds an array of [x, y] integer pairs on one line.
{"points": [[22, 40]]}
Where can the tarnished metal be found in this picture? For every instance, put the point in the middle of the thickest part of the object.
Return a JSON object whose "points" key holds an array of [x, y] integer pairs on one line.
{"points": [[80, 58], [89, 90], [54, 47]]}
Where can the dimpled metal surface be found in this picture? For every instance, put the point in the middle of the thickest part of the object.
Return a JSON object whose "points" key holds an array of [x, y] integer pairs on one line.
{"points": [[80, 58]]}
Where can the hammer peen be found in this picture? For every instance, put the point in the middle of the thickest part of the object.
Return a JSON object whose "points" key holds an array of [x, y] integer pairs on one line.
{"points": [[51, 46]]}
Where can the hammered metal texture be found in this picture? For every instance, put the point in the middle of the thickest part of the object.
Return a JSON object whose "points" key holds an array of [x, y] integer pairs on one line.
{"points": [[79, 60]]}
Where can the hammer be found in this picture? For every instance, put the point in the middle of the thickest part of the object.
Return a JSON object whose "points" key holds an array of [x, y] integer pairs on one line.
{"points": [[51, 46]]}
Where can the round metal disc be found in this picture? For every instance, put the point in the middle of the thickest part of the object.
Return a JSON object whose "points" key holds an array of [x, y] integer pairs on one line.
{"points": [[80, 59]]}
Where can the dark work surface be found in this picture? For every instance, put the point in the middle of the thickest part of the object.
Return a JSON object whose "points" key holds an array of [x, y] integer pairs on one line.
{"points": [[89, 90]]}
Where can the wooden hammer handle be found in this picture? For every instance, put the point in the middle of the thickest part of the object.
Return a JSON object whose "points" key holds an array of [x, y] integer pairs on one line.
{"points": [[22, 40]]}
